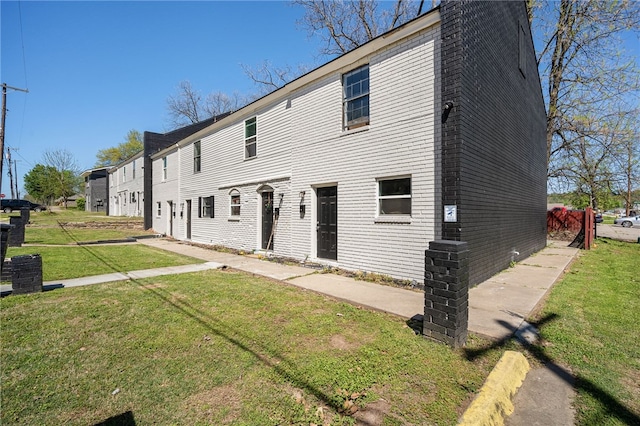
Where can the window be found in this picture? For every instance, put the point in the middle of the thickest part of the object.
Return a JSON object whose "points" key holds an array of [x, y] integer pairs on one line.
{"points": [[133, 169], [356, 98], [133, 197], [196, 157], [159, 209], [394, 196], [522, 50], [164, 168], [124, 174], [205, 206], [235, 203], [250, 138]]}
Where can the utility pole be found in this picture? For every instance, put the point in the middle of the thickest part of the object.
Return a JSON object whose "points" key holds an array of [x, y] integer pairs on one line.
{"points": [[8, 155], [4, 115], [15, 168]]}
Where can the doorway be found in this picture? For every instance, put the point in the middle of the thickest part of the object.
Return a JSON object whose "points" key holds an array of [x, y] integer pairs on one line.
{"points": [[171, 215], [188, 219], [327, 225], [267, 221]]}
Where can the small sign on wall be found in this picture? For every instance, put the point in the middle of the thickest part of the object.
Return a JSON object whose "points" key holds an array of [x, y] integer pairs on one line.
{"points": [[450, 213]]}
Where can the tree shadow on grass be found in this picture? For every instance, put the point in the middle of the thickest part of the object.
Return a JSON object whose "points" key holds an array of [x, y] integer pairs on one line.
{"points": [[611, 406], [268, 356], [124, 419]]}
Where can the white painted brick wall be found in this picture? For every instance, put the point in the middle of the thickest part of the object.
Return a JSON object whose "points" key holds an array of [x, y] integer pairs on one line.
{"points": [[165, 191], [302, 147]]}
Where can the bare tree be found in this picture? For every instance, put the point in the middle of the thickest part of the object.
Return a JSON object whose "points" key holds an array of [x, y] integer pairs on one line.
{"points": [[185, 106], [269, 77], [344, 25], [66, 177], [587, 73], [218, 103], [627, 159]]}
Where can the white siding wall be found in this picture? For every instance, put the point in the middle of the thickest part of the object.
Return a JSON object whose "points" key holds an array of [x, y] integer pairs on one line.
{"points": [[402, 139], [301, 146], [166, 191], [123, 183]]}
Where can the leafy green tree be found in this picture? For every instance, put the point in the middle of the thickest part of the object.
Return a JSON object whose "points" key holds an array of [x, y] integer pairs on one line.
{"points": [[66, 179], [132, 145], [38, 182]]}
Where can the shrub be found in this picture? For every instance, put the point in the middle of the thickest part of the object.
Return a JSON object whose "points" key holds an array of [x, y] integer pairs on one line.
{"points": [[80, 203]]}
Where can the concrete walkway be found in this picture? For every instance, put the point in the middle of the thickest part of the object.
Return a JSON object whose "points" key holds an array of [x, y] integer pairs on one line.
{"points": [[497, 307]]}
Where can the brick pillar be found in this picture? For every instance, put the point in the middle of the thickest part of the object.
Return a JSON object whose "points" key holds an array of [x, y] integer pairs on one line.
{"points": [[446, 289], [26, 273], [25, 214], [16, 236]]}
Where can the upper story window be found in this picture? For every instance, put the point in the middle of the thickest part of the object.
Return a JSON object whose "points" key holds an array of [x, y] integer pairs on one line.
{"points": [[355, 101], [394, 196], [235, 203], [196, 157], [164, 168], [250, 138], [124, 173], [133, 169], [522, 50]]}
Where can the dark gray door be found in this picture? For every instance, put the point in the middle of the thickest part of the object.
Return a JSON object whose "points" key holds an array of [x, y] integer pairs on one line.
{"points": [[327, 226], [188, 219], [267, 221], [172, 213]]}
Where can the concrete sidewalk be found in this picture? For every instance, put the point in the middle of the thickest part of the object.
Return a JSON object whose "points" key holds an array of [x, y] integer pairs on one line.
{"points": [[119, 276], [497, 307]]}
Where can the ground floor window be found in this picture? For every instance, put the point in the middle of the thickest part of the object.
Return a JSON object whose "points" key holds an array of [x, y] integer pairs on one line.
{"points": [[394, 196], [235, 203], [206, 206], [158, 209]]}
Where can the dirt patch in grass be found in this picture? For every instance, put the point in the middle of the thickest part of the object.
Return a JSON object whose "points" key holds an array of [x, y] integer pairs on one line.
{"points": [[373, 414], [338, 341], [220, 404]]}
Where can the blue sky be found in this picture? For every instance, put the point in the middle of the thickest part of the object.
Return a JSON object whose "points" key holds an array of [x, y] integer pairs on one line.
{"points": [[96, 70]]}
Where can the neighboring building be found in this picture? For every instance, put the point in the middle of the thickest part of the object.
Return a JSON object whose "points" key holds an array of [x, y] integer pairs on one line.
{"points": [[434, 130], [96, 190], [154, 142], [126, 187]]}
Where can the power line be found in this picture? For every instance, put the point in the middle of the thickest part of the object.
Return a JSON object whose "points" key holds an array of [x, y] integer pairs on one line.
{"points": [[2, 123]]}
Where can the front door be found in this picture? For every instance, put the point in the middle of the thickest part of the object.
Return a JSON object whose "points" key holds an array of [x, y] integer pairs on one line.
{"points": [[171, 215], [188, 219], [267, 221], [327, 226]]}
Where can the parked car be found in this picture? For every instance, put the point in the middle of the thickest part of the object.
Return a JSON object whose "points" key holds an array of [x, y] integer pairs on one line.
{"points": [[10, 204], [627, 221], [599, 218]]}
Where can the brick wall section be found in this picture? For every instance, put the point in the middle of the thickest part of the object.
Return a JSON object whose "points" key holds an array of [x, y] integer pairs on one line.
{"points": [[446, 285], [493, 142], [26, 274], [25, 214], [16, 236]]}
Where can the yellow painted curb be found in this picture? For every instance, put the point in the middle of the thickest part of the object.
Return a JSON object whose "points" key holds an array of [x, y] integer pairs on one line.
{"points": [[493, 402]]}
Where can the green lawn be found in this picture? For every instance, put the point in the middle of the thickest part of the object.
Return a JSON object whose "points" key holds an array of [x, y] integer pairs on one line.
{"points": [[62, 227], [221, 348], [591, 324], [67, 262]]}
